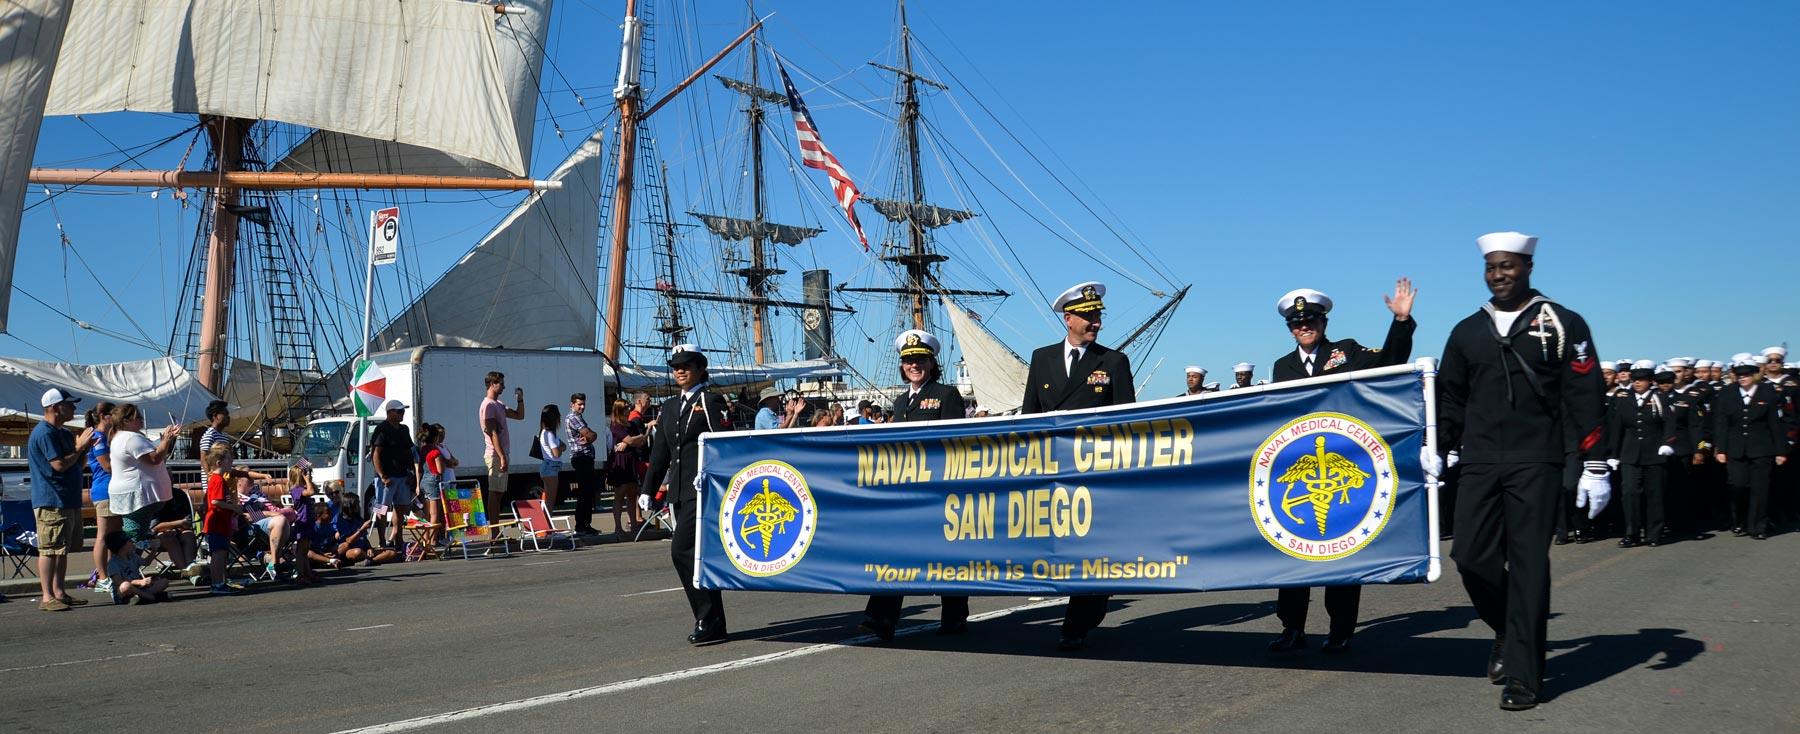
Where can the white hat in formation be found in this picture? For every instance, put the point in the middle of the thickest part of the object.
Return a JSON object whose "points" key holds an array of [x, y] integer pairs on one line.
{"points": [[682, 354], [1792, 365], [1303, 303], [916, 343], [1643, 364], [1492, 242], [1703, 364], [1243, 367], [1742, 357], [1196, 370], [1680, 362], [1778, 352], [1081, 298], [1210, 386]]}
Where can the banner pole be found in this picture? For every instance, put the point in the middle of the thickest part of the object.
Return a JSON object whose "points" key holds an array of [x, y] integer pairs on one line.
{"points": [[1427, 368]]}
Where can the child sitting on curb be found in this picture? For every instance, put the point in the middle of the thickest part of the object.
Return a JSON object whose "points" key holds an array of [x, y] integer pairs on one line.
{"points": [[122, 567]]}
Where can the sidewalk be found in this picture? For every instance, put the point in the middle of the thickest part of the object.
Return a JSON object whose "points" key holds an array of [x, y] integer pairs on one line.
{"points": [[25, 588]]}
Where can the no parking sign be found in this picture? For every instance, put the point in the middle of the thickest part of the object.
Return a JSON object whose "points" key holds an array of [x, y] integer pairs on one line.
{"points": [[384, 235]]}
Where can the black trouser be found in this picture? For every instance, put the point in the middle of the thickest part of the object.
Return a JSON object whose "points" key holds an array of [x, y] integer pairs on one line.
{"points": [[1642, 486], [1719, 506], [1568, 516], [587, 485], [886, 608], [708, 605], [1504, 513], [1084, 613], [1340, 602], [1749, 480]]}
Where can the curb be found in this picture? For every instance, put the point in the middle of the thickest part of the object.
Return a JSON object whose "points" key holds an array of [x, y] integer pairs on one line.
{"points": [[18, 589]]}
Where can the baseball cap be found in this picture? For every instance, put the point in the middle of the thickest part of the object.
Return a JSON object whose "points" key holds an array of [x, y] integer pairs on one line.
{"points": [[56, 395]]}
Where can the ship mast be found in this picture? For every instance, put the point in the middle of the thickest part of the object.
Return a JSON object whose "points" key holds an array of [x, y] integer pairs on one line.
{"points": [[630, 95], [918, 259]]}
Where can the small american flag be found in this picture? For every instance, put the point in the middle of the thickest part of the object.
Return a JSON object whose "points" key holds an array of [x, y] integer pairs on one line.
{"points": [[814, 155]]}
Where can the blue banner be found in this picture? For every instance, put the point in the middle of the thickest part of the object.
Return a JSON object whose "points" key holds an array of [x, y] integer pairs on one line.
{"points": [[1302, 484]]}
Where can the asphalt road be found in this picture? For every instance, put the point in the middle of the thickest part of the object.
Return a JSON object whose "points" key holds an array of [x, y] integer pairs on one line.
{"points": [[1697, 635]]}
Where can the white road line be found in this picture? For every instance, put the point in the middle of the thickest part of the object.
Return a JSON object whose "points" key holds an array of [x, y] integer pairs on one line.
{"points": [[660, 678], [541, 563], [658, 591], [370, 627], [81, 662]]}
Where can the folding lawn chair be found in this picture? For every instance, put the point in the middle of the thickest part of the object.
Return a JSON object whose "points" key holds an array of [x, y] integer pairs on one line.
{"points": [[18, 538], [537, 524], [664, 517]]}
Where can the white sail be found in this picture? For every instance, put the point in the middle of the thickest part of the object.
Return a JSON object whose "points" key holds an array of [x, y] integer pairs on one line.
{"points": [[161, 387], [421, 72], [530, 284], [521, 41], [998, 374], [31, 33]]}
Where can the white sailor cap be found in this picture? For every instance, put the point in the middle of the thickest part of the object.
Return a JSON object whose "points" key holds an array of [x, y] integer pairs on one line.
{"points": [[916, 343], [1792, 365], [1742, 357], [1703, 364], [1492, 242], [1303, 303], [1774, 351], [1214, 386], [1621, 364], [682, 354], [1679, 362], [1243, 367], [1196, 370], [1643, 364], [1748, 365], [1081, 298]]}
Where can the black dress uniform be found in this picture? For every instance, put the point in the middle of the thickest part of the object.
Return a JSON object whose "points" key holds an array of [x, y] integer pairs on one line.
{"points": [[1750, 430], [676, 455], [932, 401], [1506, 401], [1335, 357], [1640, 425], [1097, 377]]}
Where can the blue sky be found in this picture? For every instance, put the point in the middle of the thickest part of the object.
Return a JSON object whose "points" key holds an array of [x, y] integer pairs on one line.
{"points": [[1251, 148]]}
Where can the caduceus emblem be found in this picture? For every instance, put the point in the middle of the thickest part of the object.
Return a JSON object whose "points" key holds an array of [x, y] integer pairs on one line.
{"points": [[767, 514], [1318, 477]]}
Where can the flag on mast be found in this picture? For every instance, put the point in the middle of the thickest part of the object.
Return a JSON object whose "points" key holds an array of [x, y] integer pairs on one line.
{"points": [[814, 155]]}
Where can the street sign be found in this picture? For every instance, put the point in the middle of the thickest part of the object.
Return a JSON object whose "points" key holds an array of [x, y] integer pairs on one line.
{"points": [[384, 235]]}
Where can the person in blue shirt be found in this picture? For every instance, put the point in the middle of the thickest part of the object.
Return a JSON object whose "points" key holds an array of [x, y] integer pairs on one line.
{"points": [[766, 417], [56, 458]]}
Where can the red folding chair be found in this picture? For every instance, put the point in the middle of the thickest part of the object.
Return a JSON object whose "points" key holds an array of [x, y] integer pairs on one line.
{"points": [[537, 526]]}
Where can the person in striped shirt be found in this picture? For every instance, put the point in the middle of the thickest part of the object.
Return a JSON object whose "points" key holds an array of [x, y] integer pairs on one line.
{"points": [[218, 413]]}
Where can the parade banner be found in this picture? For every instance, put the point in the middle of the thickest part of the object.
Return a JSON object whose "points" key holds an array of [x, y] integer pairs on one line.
{"points": [[1309, 483]]}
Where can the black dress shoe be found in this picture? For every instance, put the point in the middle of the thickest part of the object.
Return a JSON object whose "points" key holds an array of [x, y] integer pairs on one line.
{"points": [[953, 626], [1496, 665], [1071, 642], [1652, 544], [1627, 542], [1517, 697], [881, 628], [1738, 532], [1562, 540], [1762, 536], [1336, 645], [707, 634], [1289, 641]]}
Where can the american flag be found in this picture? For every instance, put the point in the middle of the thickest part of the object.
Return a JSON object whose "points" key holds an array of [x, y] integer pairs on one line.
{"points": [[814, 155]]}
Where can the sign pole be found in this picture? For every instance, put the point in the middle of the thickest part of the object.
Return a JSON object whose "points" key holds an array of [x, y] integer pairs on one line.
{"points": [[368, 308]]}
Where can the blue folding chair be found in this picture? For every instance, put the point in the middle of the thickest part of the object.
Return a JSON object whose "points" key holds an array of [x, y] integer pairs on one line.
{"points": [[18, 538]]}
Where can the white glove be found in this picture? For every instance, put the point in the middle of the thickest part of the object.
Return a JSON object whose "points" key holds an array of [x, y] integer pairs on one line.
{"points": [[1611, 464], [1665, 451], [1593, 490], [644, 503], [1429, 461], [1451, 459]]}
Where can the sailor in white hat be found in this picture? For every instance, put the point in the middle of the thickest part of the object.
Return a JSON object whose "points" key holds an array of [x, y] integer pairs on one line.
{"points": [[1519, 386], [1750, 437], [1643, 431], [1307, 312], [1241, 374], [1773, 363], [1074, 373], [675, 456], [925, 399], [1196, 380]]}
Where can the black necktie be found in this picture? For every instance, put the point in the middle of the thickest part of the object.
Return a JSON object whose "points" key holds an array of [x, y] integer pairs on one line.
{"points": [[1074, 356]]}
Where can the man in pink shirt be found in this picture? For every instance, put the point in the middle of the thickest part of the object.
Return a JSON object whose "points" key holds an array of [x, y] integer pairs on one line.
{"points": [[492, 418]]}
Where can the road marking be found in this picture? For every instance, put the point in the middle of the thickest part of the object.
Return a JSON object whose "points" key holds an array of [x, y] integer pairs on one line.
{"points": [[658, 591], [82, 662], [540, 563], [370, 627], [660, 678]]}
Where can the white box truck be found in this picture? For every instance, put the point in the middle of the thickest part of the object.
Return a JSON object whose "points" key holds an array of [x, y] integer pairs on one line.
{"points": [[444, 385]]}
